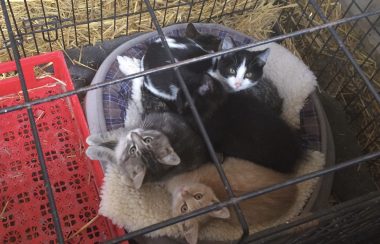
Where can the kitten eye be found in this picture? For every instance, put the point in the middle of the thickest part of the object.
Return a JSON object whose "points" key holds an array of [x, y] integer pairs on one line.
{"points": [[132, 150], [148, 139], [232, 71], [198, 196], [184, 208], [248, 75]]}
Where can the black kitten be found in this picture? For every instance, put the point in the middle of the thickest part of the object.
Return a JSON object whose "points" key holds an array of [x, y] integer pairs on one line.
{"points": [[165, 84], [240, 125]]}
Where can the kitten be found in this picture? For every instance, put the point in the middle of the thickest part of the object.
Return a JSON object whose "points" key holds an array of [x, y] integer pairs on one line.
{"points": [[143, 155], [186, 199], [243, 71], [240, 125], [203, 187], [161, 144], [164, 84]]}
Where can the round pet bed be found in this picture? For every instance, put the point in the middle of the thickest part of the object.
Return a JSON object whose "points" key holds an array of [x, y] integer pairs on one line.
{"points": [[106, 110]]}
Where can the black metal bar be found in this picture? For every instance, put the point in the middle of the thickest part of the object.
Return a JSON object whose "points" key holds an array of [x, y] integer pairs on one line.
{"points": [[176, 14], [309, 48], [212, 11], [267, 235], [329, 38], [74, 22], [366, 147], [365, 127], [60, 24], [154, 7], [31, 26], [337, 50], [5, 44], [303, 12], [233, 7], [367, 104], [16, 26], [365, 9], [33, 126], [199, 123], [46, 24], [127, 27], [224, 6], [190, 9], [185, 62], [101, 20], [88, 24], [200, 13], [141, 7], [361, 73], [114, 16], [354, 50], [247, 196], [361, 65], [165, 11]]}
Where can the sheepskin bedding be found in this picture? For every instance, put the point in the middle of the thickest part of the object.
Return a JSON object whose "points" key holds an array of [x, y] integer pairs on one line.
{"points": [[133, 209]]}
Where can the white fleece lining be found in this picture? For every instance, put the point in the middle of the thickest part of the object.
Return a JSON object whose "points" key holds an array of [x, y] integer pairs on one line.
{"points": [[134, 209]]}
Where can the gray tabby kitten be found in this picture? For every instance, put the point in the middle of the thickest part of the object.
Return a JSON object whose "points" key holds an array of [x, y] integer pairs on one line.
{"points": [[159, 145], [140, 154]]}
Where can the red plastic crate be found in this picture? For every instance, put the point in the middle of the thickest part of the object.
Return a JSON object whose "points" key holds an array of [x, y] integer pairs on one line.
{"points": [[24, 208]]}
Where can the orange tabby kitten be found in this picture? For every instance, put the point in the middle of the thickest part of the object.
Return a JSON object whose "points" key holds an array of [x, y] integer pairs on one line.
{"points": [[203, 187]]}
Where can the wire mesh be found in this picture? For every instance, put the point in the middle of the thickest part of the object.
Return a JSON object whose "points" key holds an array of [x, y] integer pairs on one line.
{"points": [[53, 29]]}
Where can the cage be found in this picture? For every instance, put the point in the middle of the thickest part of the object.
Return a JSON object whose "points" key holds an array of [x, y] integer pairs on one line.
{"points": [[338, 40]]}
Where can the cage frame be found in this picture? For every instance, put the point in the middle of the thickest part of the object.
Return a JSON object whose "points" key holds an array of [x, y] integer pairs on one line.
{"points": [[233, 200]]}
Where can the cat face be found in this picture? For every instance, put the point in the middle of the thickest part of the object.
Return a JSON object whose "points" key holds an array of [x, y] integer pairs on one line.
{"points": [[242, 69], [189, 198], [143, 152], [139, 153]]}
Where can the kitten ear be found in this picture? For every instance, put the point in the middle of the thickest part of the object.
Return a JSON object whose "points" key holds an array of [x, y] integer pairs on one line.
{"points": [[190, 231], [170, 159], [138, 178], [223, 213], [262, 56], [191, 31], [227, 43], [101, 153]]}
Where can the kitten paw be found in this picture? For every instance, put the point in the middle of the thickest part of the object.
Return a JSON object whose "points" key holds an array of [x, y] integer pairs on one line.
{"points": [[128, 65]]}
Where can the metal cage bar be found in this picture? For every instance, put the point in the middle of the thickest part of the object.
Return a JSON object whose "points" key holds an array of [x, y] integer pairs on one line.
{"points": [[32, 121], [233, 201], [200, 125], [247, 196], [189, 61]]}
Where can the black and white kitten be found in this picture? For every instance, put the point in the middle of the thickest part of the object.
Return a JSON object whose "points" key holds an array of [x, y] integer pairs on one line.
{"points": [[241, 126], [164, 84], [243, 71]]}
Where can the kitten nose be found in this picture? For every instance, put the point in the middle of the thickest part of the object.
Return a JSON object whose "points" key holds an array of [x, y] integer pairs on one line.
{"points": [[237, 84], [184, 192], [136, 138]]}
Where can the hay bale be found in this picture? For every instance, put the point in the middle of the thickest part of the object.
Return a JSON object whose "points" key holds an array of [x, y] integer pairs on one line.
{"points": [[257, 20]]}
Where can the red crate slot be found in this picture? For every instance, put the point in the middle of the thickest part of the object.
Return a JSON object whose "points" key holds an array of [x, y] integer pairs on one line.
{"points": [[75, 180]]}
